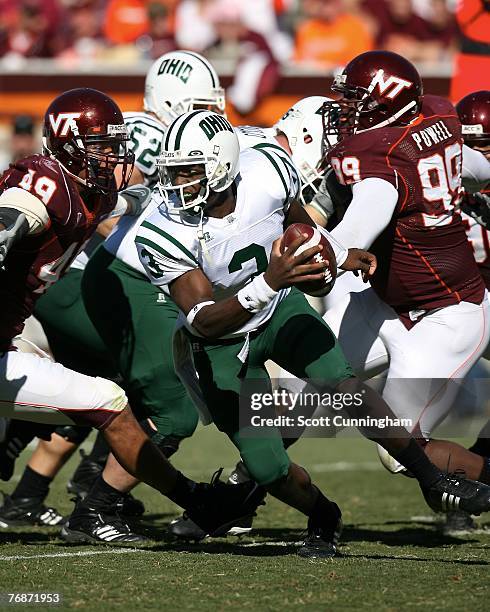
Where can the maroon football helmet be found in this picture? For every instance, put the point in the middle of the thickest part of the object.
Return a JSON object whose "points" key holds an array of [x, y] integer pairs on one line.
{"points": [[474, 114], [84, 131], [379, 88]]}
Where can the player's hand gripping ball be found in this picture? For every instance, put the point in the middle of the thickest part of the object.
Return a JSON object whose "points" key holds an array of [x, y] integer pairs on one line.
{"points": [[318, 288]]}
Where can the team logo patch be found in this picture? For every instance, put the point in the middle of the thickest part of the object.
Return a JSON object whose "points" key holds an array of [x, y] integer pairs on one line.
{"points": [[390, 87], [62, 123]]}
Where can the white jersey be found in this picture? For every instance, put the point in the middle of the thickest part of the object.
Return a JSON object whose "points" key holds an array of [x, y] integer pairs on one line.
{"points": [[120, 241], [146, 136], [233, 249], [251, 135]]}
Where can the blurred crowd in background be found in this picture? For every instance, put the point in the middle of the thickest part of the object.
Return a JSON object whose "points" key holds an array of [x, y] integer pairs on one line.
{"points": [[258, 39], [317, 34]]}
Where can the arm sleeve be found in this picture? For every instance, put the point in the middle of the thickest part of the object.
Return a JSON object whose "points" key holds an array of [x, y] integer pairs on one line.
{"points": [[373, 204], [476, 170]]}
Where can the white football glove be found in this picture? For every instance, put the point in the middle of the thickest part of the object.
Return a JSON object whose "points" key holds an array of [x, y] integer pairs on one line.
{"points": [[131, 201], [8, 236], [138, 198], [322, 202]]}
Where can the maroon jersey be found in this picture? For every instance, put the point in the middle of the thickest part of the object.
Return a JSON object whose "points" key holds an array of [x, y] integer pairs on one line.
{"points": [[37, 261], [424, 258]]}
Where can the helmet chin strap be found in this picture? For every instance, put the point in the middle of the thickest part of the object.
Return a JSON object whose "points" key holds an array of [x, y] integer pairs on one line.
{"points": [[391, 119]]}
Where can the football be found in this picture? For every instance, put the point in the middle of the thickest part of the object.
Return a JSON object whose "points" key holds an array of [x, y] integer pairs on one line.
{"points": [[321, 287]]}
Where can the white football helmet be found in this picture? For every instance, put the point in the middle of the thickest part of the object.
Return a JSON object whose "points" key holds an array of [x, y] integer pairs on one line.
{"points": [[198, 137], [180, 81], [303, 126]]}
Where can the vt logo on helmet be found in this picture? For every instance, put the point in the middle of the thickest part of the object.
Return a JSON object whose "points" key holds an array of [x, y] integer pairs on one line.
{"points": [[199, 156], [62, 123], [84, 131], [379, 88]]}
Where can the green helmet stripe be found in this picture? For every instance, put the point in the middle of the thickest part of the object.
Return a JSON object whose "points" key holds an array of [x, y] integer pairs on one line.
{"points": [[204, 63], [182, 126]]}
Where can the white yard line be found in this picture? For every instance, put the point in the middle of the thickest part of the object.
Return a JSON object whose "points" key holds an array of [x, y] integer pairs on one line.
{"points": [[346, 466], [80, 553], [339, 466]]}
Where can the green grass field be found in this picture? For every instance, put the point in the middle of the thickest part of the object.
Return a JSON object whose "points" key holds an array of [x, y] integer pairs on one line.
{"points": [[389, 561]]}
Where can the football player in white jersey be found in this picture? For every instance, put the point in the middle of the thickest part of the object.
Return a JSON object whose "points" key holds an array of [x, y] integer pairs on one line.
{"points": [[214, 246], [176, 82]]}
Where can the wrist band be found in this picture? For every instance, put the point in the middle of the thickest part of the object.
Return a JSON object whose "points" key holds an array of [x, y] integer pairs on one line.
{"points": [[191, 315], [256, 295]]}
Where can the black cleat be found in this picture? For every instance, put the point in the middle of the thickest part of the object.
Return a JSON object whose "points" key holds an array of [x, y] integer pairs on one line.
{"points": [[454, 492], [16, 436], [84, 477], [183, 528], [240, 474], [28, 511], [90, 526], [321, 541], [219, 506], [127, 506]]}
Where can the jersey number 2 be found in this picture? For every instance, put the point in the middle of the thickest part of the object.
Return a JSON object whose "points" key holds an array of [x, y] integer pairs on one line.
{"points": [[252, 251]]}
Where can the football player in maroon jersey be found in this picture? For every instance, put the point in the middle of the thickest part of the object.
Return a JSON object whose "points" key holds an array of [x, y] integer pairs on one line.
{"points": [[474, 114], [427, 310], [50, 205]]}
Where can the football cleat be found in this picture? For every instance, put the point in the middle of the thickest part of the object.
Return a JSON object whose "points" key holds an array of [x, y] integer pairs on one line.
{"points": [[84, 477], [87, 525], [183, 528], [240, 474], [218, 506], [27, 511], [321, 541], [127, 506], [454, 492]]}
